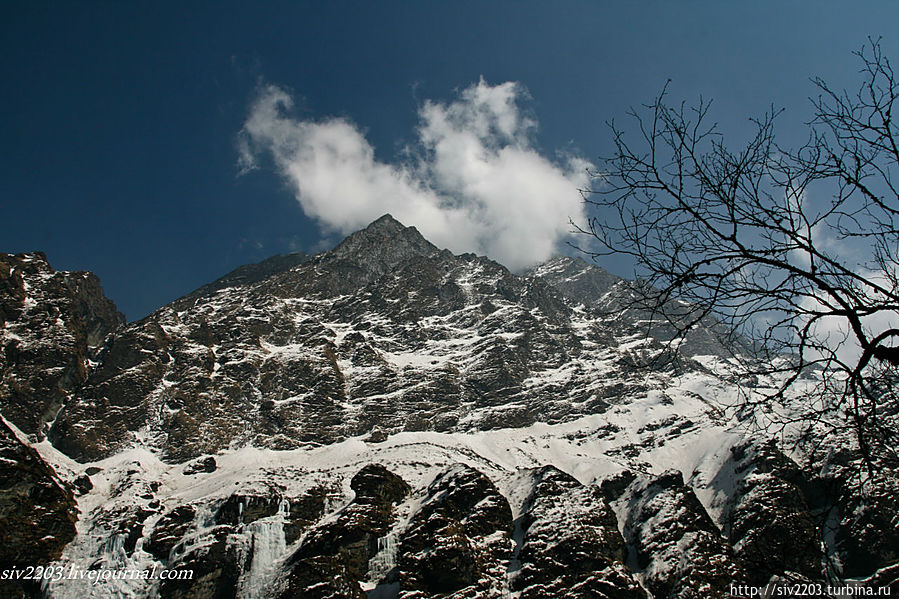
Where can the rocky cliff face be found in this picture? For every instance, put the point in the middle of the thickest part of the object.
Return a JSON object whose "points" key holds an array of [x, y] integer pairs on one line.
{"points": [[52, 325], [588, 560], [37, 511], [390, 420], [384, 332]]}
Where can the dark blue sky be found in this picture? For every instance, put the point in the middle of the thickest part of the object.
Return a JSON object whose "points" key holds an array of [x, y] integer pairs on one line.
{"points": [[120, 120]]}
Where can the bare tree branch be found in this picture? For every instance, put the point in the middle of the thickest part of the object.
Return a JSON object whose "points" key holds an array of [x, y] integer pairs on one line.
{"points": [[753, 238]]}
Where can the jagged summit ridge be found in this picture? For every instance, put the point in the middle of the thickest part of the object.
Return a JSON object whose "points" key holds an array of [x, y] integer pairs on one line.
{"points": [[52, 324], [251, 273], [382, 245], [577, 279], [384, 333]]}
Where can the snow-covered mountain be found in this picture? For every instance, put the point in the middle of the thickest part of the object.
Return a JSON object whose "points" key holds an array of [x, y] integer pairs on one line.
{"points": [[388, 419]]}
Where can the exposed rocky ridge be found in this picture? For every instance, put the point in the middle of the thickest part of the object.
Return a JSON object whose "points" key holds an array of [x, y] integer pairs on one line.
{"points": [[676, 544], [52, 323], [618, 302], [250, 273], [492, 403]]}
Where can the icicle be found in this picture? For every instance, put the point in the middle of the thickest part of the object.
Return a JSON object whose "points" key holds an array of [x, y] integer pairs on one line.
{"points": [[203, 520], [269, 545], [507, 588], [385, 559], [114, 549]]}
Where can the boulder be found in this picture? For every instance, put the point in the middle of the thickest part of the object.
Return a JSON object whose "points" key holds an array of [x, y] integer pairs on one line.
{"points": [[571, 547]]}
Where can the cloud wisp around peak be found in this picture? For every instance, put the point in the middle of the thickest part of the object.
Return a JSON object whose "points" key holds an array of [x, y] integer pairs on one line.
{"points": [[473, 181]]}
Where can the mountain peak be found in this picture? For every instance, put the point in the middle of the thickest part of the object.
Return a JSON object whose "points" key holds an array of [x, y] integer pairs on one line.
{"points": [[386, 222], [382, 245], [576, 278]]}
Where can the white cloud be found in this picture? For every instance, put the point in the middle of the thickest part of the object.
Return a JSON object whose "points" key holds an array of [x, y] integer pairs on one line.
{"points": [[835, 333], [475, 183]]}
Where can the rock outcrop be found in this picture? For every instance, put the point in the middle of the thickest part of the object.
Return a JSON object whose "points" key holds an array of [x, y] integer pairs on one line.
{"points": [[215, 566], [570, 546], [52, 323], [677, 547], [459, 540], [770, 523], [335, 556], [862, 503], [37, 512]]}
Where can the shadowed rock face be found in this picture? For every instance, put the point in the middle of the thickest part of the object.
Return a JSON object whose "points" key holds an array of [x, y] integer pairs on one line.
{"points": [[677, 545], [864, 502], [170, 530], [459, 538], [782, 515], [216, 566], [333, 558], [37, 511], [770, 523], [570, 546], [378, 486], [51, 324]]}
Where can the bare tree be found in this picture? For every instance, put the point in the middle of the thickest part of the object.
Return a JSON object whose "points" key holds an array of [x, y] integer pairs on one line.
{"points": [[796, 251]]}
